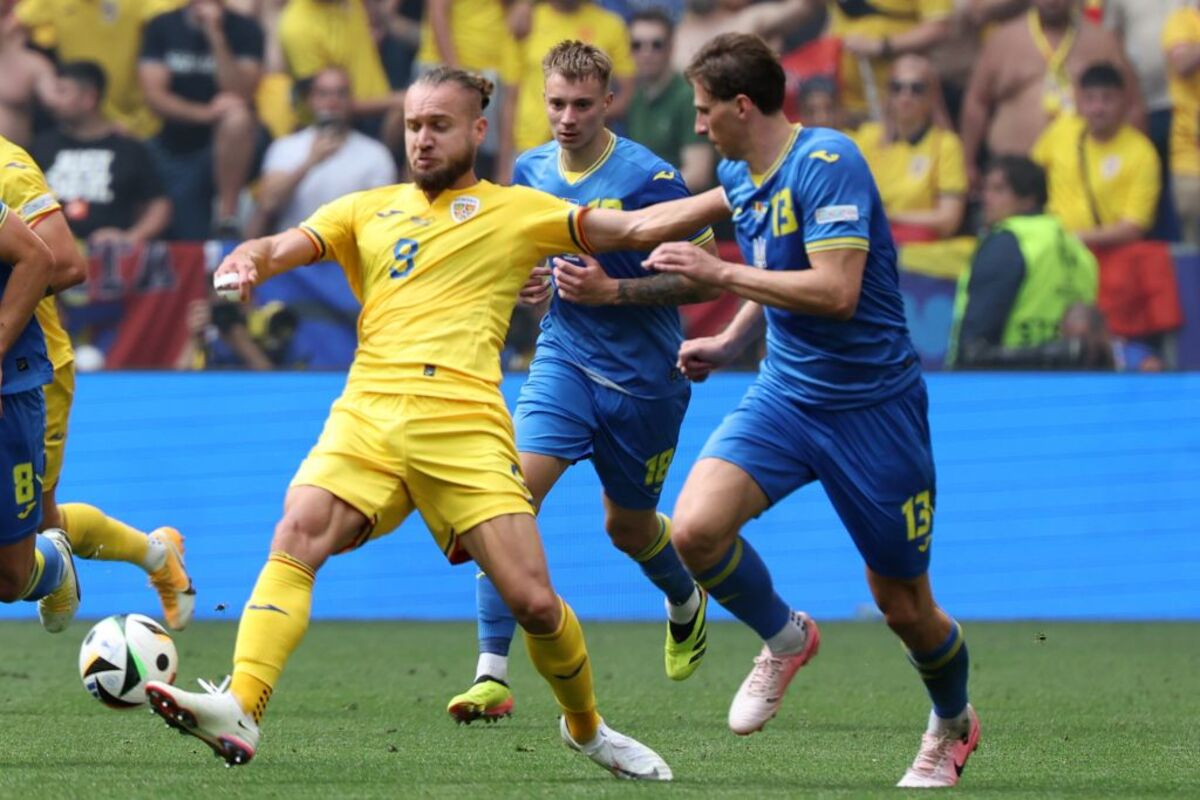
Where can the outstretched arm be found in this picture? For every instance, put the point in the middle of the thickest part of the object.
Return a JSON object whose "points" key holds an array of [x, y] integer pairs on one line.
{"points": [[605, 230], [588, 284], [254, 261], [829, 289]]}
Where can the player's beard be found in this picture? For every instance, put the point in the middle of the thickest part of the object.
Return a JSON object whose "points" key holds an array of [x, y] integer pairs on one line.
{"points": [[438, 180]]}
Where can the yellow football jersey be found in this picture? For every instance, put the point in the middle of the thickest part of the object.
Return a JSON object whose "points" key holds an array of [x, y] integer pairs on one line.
{"points": [[589, 23], [438, 281], [1183, 28], [882, 18], [911, 177], [23, 188], [1114, 180], [481, 39], [109, 33], [316, 34]]}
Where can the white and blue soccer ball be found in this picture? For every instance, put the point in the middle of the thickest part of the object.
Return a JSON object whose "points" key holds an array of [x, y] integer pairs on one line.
{"points": [[120, 654]]}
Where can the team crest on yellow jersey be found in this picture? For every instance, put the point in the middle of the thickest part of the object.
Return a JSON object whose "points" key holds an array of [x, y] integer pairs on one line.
{"points": [[463, 208]]}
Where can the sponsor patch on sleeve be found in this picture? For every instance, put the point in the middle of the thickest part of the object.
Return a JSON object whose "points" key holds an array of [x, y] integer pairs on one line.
{"points": [[36, 206], [829, 214]]}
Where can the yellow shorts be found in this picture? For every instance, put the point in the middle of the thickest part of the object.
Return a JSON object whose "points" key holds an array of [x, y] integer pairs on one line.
{"points": [[454, 461], [59, 395]]}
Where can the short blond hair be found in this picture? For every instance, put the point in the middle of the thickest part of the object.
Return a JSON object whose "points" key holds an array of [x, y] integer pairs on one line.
{"points": [[576, 61]]}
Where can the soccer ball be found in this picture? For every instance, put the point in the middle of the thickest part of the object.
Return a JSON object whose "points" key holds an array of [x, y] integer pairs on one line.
{"points": [[122, 652]]}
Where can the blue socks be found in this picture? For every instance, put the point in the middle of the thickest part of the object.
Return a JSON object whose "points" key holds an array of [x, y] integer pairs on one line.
{"points": [[48, 567], [660, 563], [496, 624], [740, 582], [944, 671]]}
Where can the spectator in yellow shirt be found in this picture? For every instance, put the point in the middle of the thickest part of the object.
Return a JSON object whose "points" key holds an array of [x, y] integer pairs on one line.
{"points": [[108, 33], [476, 35], [1181, 41], [1103, 173], [555, 21], [916, 158], [337, 33], [877, 32]]}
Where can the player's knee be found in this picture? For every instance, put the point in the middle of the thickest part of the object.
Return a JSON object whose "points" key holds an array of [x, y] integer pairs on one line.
{"points": [[536, 610], [299, 531], [699, 543], [901, 611], [630, 536]]}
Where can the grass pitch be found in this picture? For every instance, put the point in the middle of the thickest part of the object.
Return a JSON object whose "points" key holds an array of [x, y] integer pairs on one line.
{"points": [[1068, 710]]}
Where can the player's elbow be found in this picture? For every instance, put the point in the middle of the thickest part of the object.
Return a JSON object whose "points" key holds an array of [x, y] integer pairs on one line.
{"points": [[843, 302], [73, 273], [639, 233]]}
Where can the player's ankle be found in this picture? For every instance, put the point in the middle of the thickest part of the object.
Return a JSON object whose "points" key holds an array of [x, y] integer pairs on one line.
{"points": [[156, 555], [492, 665], [684, 612], [582, 725]]}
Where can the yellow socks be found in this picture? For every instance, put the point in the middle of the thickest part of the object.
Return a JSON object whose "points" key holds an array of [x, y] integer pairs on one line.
{"points": [[273, 623], [562, 659], [93, 535]]}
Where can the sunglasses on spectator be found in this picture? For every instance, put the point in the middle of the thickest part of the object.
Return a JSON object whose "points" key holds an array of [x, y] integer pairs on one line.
{"points": [[653, 44], [916, 87]]}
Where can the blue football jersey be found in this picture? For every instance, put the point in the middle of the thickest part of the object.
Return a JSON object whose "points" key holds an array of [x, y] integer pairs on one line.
{"points": [[819, 195], [630, 348], [26, 365]]}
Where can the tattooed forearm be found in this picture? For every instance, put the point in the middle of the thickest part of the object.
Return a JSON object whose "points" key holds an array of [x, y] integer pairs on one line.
{"points": [[662, 290]]}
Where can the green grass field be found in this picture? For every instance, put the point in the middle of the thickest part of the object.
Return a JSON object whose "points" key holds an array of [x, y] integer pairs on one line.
{"points": [[1067, 710]]}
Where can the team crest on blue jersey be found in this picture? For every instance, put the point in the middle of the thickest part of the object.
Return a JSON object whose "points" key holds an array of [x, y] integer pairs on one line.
{"points": [[759, 210], [463, 208], [760, 252]]}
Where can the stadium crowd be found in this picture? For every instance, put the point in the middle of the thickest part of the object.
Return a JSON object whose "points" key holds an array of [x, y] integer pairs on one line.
{"points": [[198, 120]]}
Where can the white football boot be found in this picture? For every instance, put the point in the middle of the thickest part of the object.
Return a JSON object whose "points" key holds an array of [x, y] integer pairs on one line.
{"points": [[213, 716], [57, 609], [622, 756], [761, 693], [944, 751]]}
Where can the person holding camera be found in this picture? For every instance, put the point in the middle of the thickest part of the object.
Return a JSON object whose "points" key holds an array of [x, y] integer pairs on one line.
{"points": [[322, 162]]}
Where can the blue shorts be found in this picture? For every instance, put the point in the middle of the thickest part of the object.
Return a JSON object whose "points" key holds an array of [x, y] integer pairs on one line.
{"points": [[875, 463], [22, 464], [563, 413]]}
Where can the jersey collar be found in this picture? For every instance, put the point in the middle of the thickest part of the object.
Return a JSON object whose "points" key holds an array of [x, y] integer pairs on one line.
{"points": [[759, 180], [597, 164]]}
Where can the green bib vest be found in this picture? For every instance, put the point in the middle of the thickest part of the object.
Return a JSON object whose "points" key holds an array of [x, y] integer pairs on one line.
{"points": [[1059, 272]]}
